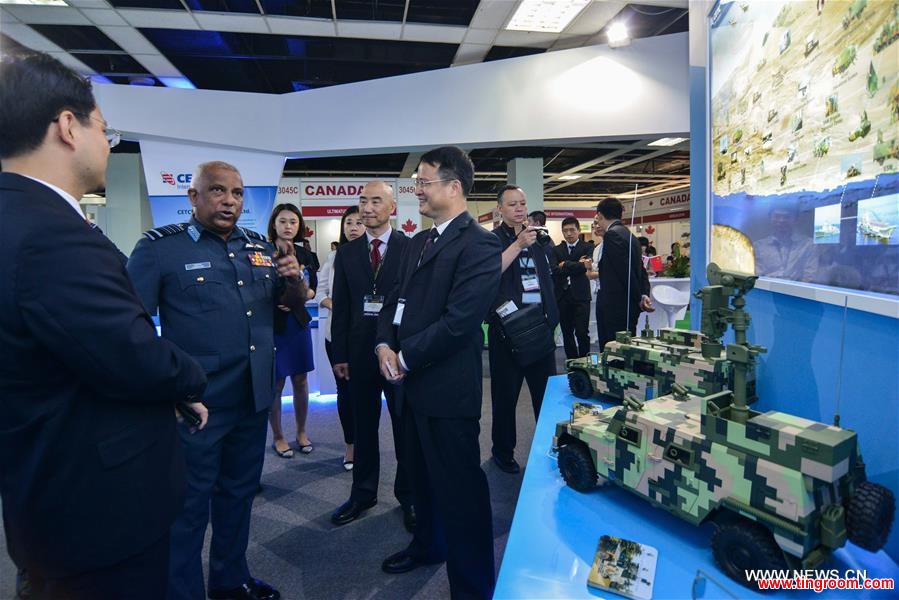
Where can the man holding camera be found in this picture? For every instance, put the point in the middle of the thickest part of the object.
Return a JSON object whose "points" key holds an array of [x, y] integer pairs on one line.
{"points": [[526, 279]]}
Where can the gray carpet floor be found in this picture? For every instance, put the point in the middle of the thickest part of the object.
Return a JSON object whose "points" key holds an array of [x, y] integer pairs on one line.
{"points": [[293, 544]]}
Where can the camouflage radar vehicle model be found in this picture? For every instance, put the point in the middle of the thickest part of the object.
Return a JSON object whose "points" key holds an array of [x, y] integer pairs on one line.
{"points": [[783, 491], [647, 366]]}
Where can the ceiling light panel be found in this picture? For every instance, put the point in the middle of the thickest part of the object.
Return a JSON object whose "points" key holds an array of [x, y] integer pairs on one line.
{"points": [[549, 16]]}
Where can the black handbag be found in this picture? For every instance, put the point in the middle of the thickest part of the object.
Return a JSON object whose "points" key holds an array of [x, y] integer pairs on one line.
{"points": [[528, 333]]}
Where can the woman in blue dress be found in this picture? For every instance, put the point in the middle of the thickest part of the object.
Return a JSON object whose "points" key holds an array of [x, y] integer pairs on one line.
{"points": [[293, 338]]}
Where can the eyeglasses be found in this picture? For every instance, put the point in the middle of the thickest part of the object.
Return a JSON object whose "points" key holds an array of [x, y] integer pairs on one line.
{"points": [[423, 183], [113, 136]]}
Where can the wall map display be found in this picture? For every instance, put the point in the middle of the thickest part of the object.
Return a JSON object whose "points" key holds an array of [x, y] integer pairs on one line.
{"points": [[805, 138]]}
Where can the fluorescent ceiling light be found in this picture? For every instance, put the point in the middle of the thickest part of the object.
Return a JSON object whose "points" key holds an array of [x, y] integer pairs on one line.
{"points": [[617, 34], [548, 16], [568, 177], [36, 2], [667, 141]]}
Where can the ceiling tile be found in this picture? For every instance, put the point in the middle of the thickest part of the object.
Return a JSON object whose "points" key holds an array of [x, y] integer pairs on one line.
{"points": [[593, 18], [470, 53], [157, 65], [168, 19], [433, 33], [572, 41], [28, 37], [369, 29], [50, 15], [291, 26], [103, 16], [526, 38], [493, 14], [225, 22], [480, 36], [7, 17], [130, 39], [103, 4]]}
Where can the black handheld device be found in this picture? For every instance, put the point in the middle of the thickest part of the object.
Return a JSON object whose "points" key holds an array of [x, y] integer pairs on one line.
{"points": [[188, 414]]}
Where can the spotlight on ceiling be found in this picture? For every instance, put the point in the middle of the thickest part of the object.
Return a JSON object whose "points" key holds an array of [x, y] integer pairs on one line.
{"points": [[617, 35], [547, 16], [569, 177]]}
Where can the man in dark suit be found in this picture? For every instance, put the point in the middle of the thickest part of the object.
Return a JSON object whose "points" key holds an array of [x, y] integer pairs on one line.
{"points": [[216, 286], [430, 339], [573, 289], [526, 279], [623, 282], [91, 472], [365, 272]]}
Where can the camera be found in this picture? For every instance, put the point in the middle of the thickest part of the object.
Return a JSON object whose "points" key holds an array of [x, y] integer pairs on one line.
{"points": [[543, 236]]}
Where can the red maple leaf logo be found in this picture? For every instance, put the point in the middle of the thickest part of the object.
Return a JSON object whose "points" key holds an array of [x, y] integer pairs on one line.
{"points": [[409, 226], [650, 229], [168, 178], [308, 233]]}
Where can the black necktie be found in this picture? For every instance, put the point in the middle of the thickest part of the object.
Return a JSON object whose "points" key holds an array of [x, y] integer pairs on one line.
{"points": [[429, 243]]}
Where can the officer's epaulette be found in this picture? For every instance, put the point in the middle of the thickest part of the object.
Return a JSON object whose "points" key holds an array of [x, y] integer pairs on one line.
{"points": [[165, 230], [253, 235]]}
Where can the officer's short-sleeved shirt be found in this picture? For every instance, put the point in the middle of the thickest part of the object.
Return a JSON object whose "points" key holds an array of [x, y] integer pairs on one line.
{"points": [[216, 301]]}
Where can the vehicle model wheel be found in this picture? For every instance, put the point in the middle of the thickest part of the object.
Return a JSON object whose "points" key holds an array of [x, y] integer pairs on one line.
{"points": [[577, 467], [869, 516], [742, 545], [580, 385]]}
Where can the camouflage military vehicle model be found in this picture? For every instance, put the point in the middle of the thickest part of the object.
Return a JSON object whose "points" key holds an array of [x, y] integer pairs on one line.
{"points": [[783, 491], [648, 366]]}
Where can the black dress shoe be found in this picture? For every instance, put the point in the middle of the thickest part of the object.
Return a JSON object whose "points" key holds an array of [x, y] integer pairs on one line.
{"points": [[254, 589], [409, 518], [350, 510], [402, 562], [509, 466]]}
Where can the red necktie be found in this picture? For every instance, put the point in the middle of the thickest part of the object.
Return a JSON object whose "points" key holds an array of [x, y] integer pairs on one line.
{"points": [[375, 255]]}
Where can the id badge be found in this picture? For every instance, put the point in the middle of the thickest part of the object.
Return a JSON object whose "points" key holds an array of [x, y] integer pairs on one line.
{"points": [[530, 283], [398, 315], [506, 308], [530, 298], [372, 305]]}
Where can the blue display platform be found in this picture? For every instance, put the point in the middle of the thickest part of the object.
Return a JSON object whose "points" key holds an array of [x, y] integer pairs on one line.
{"points": [[556, 529]]}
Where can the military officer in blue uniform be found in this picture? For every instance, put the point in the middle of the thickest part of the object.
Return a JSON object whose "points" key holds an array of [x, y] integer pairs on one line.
{"points": [[216, 287]]}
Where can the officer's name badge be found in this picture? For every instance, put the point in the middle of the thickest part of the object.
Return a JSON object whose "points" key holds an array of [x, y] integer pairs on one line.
{"points": [[260, 259], [199, 265]]}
